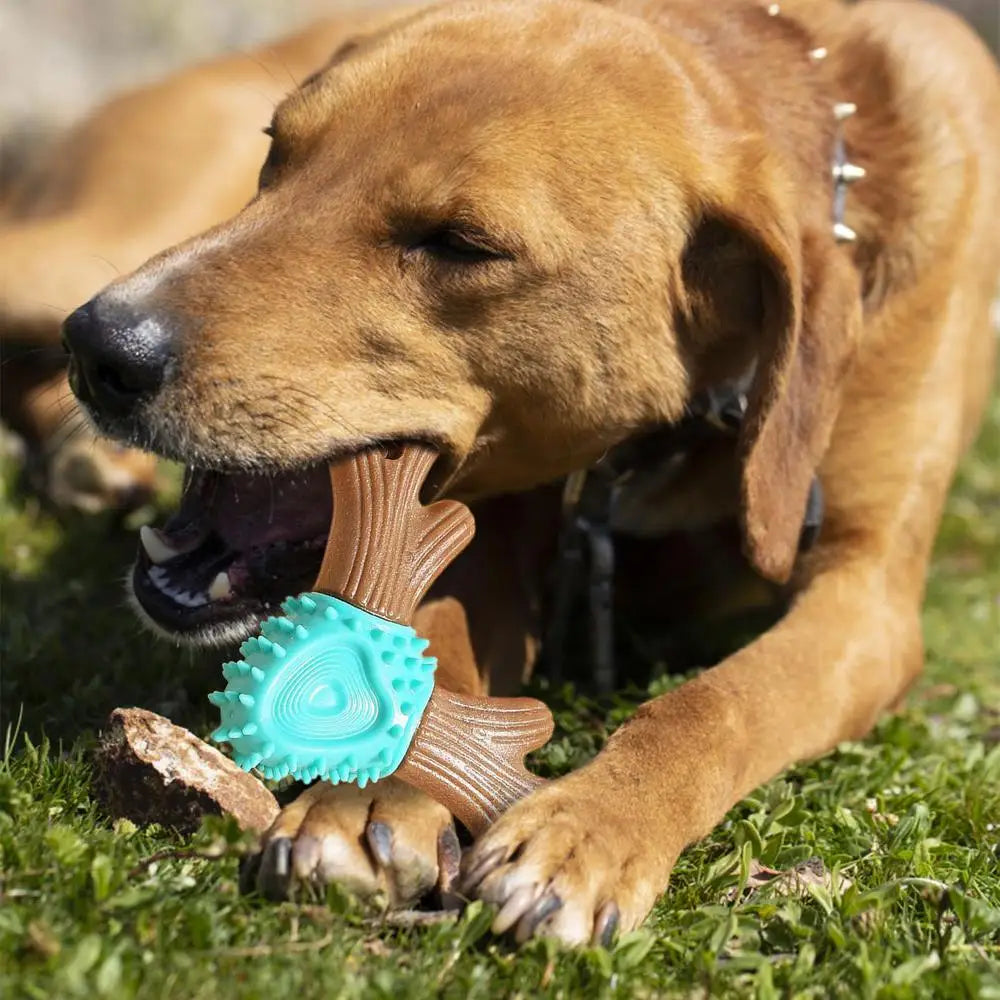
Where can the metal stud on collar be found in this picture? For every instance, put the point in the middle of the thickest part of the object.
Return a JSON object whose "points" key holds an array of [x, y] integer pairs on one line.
{"points": [[843, 233], [843, 171], [844, 174], [847, 173]]}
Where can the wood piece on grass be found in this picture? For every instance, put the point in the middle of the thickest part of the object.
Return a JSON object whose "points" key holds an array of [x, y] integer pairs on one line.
{"points": [[150, 771]]}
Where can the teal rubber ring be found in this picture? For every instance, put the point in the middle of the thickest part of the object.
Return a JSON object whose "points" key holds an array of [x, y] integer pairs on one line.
{"points": [[327, 690]]}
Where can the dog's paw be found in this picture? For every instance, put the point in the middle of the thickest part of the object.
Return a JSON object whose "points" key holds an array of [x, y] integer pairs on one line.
{"points": [[385, 841], [92, 475], [567, 862]]}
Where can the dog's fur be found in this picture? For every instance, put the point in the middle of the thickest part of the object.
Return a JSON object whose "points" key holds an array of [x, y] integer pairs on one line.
{"points": [[654, 181]]}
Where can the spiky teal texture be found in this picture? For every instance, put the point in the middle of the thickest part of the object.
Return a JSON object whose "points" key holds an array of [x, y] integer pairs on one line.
{"points": [[325, 691]]}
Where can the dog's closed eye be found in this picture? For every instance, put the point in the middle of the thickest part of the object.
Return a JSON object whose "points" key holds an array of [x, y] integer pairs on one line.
{"points": [[459, 246]]}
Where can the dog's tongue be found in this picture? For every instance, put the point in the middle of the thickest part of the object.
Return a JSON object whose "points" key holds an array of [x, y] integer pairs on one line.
{"points": [[249, 512]]}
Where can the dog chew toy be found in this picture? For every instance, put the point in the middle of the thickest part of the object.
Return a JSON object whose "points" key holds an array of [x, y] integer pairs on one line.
{"points": [[340, 687]]}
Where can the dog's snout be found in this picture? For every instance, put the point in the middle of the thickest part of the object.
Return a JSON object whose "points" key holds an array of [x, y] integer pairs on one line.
{"points": [[118, 358]]}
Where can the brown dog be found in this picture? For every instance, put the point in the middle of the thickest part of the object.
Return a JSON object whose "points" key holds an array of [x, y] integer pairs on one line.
{"points": [[526, 233]]}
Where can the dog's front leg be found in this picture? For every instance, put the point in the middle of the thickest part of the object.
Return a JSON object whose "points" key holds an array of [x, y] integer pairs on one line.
{"points": [[592, 851]]}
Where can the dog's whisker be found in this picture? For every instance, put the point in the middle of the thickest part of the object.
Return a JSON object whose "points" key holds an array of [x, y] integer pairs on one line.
{"points": [[260, 64], [64, 405], [61, 311], [104, 260]]}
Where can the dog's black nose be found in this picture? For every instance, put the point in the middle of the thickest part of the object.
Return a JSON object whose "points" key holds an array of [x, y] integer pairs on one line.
{"points": [[118, 358]]}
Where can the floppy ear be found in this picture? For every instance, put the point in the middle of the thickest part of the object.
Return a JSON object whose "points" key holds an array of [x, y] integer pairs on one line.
{"points": [[807, 342], [807, 305]]}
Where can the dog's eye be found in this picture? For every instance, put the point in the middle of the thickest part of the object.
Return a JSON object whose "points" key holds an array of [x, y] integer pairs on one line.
{"points": [[459, 246]]}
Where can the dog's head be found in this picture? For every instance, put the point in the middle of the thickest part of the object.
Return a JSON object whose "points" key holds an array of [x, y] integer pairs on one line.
{"points": [[517, 231]]}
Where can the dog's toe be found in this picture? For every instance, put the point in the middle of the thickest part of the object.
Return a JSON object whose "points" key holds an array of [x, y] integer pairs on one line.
{"points": [[275, 868], [387, 841], [562, 864], [92, 475]]}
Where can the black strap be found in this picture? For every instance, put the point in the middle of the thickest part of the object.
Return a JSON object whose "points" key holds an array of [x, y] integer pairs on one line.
{"points": [[586, 548], [586, 545], [813, 519]]}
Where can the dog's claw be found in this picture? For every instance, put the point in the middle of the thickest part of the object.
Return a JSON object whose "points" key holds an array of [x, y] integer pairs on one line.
{"points": [[606, 924], [449, 859], [480, 868], [380, 841], [513, 909], [248, 869], [544, 907], [275, 868]]}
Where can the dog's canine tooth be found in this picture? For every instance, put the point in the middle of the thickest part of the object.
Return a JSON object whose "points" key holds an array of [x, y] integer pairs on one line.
{"points": [[158, 550], [220, 587]]}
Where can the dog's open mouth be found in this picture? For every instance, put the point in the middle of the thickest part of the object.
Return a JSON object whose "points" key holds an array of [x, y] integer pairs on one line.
{"points": [[237, 546]]}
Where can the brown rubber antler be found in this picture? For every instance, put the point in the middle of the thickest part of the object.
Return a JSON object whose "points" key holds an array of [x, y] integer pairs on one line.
{"points": [[468, 753], [384, 551], [385, 548]]}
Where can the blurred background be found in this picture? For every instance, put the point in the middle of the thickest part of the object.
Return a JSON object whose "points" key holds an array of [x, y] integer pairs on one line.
{"points": [[61, 57]]}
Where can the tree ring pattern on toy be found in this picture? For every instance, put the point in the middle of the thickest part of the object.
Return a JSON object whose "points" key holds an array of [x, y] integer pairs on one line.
{"points": [[328, 690]]}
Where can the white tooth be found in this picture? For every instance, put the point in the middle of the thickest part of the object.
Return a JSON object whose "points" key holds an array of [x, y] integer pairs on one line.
{"points": [[180, 596], [220, 587], [156, 548]]}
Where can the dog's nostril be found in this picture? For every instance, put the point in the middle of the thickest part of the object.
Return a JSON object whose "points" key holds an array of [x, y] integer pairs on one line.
{"points": [[113, 380]]}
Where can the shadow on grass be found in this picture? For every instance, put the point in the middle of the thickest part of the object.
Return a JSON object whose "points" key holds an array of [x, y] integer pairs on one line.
{"points": [[72, 650]]}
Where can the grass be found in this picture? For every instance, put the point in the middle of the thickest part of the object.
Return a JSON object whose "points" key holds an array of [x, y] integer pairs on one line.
{"points": [[907, 824]]}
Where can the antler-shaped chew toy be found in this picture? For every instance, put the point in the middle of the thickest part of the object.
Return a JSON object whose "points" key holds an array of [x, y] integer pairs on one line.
{"points": [[339, 686]]}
